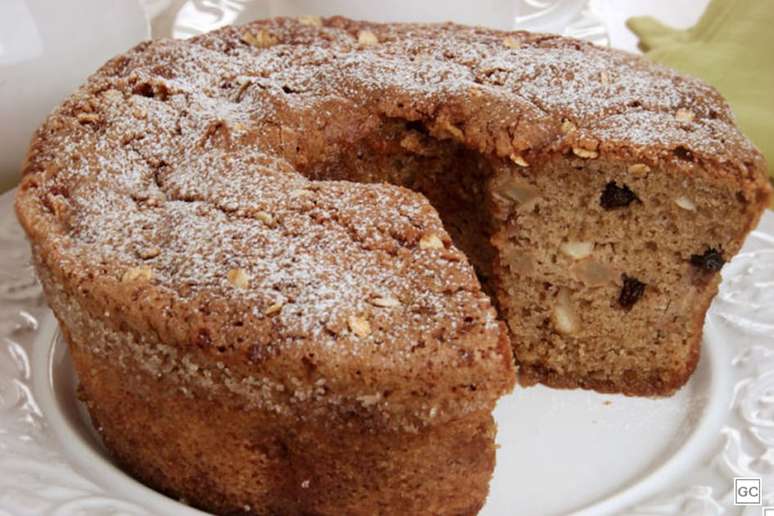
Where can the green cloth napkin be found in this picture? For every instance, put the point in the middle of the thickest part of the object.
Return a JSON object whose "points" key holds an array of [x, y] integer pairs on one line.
{"points": [[731, 48]]}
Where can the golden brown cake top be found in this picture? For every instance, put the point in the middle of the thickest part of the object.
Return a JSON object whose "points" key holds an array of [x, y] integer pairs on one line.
{"points": [[169, 191]]}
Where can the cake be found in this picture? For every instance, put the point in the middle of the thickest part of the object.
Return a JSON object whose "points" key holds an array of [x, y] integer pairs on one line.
{"points": [[293, 260]]}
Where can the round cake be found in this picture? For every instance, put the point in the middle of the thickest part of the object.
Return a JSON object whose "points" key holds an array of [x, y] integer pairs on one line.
{"points": [[272, 248]]}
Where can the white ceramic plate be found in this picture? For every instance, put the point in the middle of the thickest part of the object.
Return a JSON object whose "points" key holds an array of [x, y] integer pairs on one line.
{"points": [[561, 451], [185, 18]]}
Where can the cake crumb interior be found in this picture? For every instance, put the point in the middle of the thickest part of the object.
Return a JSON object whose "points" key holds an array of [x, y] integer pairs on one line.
{"points": [[567, 250]]}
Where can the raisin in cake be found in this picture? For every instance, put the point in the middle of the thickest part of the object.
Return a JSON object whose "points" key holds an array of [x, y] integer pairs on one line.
{"points": [[272, 249]]}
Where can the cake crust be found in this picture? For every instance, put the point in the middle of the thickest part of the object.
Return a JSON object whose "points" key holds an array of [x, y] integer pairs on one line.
{"points": [[205, 139], [194, 231]]}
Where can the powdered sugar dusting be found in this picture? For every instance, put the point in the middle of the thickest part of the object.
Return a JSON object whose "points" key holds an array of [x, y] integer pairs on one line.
{"points": [[196, 149]]}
